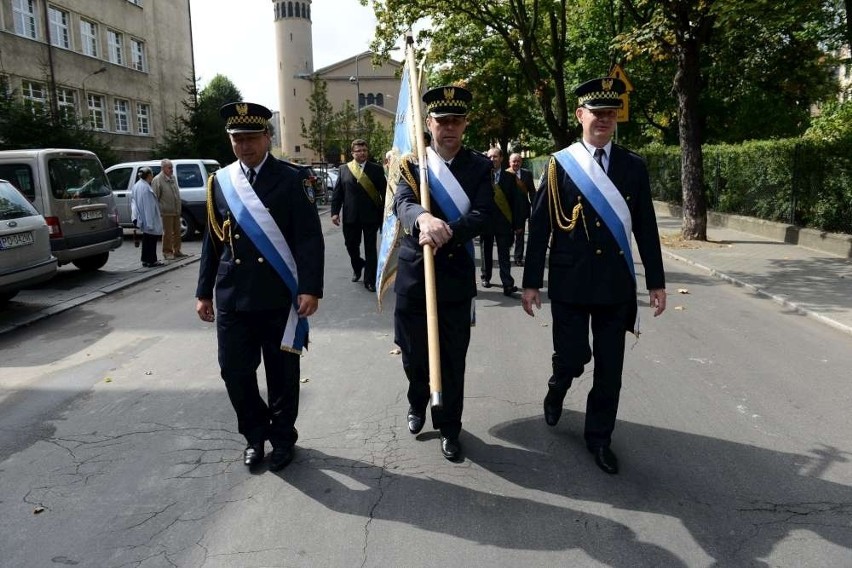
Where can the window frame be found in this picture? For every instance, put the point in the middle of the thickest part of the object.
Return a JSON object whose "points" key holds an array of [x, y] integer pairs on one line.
{"points": [[121, 116], [20, 15], [59, 21], [115, 45], [96, 111], [138, 60], [143, 119], [28, 95], [66, 102], [90, 41]]}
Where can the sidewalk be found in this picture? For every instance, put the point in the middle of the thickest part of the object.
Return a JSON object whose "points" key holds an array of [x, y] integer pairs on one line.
{"points": [[811, 282]]}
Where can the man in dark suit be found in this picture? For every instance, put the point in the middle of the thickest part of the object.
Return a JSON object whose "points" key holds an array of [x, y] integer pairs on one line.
{"points": [[592, 209], [459, 212], [360, 194], [526, 187], [261, 224], [505, 221]]}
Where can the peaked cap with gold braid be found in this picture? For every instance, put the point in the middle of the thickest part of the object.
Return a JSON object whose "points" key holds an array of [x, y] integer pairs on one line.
{"points": [[448, 100], [245, 117], [604, 92]]}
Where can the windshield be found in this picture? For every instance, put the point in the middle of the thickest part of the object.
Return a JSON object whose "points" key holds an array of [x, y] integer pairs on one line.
{"points": [[77, 178], [13, 205]]}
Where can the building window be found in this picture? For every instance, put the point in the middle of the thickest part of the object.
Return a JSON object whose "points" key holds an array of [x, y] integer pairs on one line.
{"points": [[89, 37], [290, 9], [25, 19], [362, 100], [298, 13], [121, 122], [137, 52], [34, 96], [59, 35], [380, 100], [371, 99], [116, 52], [67, 103], [143, 125], [96, 112]]}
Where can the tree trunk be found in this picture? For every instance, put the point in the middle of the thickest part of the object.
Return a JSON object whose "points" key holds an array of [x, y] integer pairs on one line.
{"points": [[686, 86]]}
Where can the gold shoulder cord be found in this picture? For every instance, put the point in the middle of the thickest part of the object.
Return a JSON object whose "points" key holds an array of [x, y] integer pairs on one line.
{"points": [[557, 215], [222, 232], [406, 173]]}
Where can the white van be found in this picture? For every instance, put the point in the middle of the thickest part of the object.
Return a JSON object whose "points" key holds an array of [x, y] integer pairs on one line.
{"points": [[69, 188], [192, 182]]}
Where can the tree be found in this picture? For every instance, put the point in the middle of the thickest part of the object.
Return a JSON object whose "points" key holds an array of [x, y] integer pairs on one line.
{"points": [[318, 133]]}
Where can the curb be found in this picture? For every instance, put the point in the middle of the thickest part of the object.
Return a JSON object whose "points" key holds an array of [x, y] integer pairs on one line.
{"points": [[94, 295], [761, 292]]}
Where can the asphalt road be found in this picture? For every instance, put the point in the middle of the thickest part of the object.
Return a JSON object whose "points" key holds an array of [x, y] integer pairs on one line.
{"points": [[118, 446]]}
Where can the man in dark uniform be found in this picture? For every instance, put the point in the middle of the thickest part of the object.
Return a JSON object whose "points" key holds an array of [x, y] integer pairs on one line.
{"points": [[504, 222], [526, 187], [360, 192], [449, 229], [263, 253], [593, 195]]}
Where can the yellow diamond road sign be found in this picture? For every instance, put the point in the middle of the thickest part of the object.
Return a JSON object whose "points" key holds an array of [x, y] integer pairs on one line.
{"points": [[624, 111]]}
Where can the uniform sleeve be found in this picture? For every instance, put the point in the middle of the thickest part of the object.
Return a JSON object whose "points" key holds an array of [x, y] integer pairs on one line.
{"points": [[209, 264], [646, 232], [406, 204], [306, 240]]}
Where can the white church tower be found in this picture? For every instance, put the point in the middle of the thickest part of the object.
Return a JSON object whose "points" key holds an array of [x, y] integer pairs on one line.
{"points": [[294, 49]]}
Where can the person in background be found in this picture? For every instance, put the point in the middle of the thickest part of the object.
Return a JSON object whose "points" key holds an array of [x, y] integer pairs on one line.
{"points": [[504, 225], [148, 218], [526, 188], [166, 189], [359, 197]]}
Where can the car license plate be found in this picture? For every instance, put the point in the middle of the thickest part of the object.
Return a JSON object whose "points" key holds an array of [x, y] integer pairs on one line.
{"points": [[91, 215], [16, 240]]}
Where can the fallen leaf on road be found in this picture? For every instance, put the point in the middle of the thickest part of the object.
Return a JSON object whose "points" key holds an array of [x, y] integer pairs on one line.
{"points": [[149, 372], [680, 308], [108, 380], [38, 510], [396, 351], [544, 325], [304, 380], [683, 291]]}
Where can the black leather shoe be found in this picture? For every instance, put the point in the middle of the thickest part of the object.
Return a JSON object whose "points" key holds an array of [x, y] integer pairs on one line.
{"points": [[356, 276], [280, 457], [370, 287], [415, 421], [553, 405], [605, 459], [451, 448], [510, 291], [486, 284], [253, 454]]}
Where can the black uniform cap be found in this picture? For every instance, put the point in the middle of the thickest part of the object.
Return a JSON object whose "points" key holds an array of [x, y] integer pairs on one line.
{"points": [[245, 117], [601, 93], [447, 101]]}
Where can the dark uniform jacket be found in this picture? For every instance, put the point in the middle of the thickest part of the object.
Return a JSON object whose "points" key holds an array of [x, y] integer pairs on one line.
{"points": [[454, 268], [358, 206], [586, 264], [499, 224], [526, 187], [242, 277]]}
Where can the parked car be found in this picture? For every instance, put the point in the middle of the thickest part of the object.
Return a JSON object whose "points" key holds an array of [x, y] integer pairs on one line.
{"points": [[192, 182], [69, 188], [25, 257], [330, 176]]}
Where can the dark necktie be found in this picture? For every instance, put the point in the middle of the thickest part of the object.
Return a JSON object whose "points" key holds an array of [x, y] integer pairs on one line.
{"points": [[251, 176], [599, 154]]}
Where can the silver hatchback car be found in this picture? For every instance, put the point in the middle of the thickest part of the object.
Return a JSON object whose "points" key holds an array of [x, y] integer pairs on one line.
{"points": [[25, 257]]}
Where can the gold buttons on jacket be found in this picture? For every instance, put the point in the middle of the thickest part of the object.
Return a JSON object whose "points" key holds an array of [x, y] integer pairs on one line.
{"points": [[597, 224], [238, 261], [260, 259], [237, 236], [621, 252], [627, 198], [599, 251]]}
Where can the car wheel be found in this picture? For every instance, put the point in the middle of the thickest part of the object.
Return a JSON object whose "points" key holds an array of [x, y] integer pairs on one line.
{"points": [[91, 263], [187, 227]]}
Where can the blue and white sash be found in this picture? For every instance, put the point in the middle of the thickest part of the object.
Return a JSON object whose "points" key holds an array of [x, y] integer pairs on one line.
{"points": [[251, 214], [599, 190], [447, 192]]}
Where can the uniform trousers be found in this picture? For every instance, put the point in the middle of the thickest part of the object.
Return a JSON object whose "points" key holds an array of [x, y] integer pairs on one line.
{"points": [[352, 233], [572, 352], [504, 263], [454, 338], [243, 337]]}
